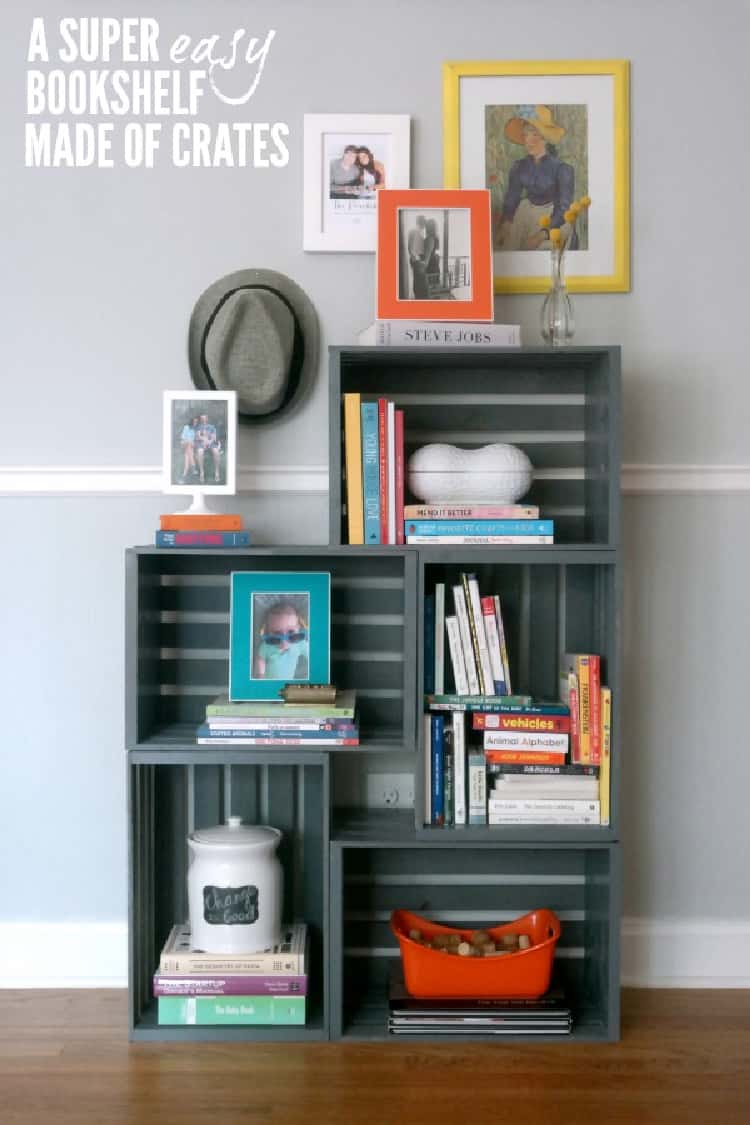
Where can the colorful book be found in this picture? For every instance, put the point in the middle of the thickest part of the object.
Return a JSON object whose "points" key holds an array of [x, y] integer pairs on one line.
{"points": [[605, 770], [503, 643], [458, 726], [202, 539], [575, 732], [477, 616], [370, 472], [526, 740], [448, 779], [241, 984], [179, 958], [525, 757], [450, 510], [520, 720], [383, 467], [534, 769], [429, 644], [439, 638], [499, 703], [477, 785], [400, 475], [493, 646], [479, 540], [418, 333], [242, 739], [334, 735], [437, 806], [459, 604], [480, 527], [262, 725], [196, 521], [460, 680], [427, 760], [343, 708], [595, 705], [390, 419], [248, 1010], [353, 462]]}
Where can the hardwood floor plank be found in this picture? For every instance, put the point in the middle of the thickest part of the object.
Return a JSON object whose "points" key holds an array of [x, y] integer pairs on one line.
{"points": [[684, 1057]]}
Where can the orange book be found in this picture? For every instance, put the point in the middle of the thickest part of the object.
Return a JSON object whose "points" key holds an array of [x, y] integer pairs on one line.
{"points": [[189, 521], [525, 757]]}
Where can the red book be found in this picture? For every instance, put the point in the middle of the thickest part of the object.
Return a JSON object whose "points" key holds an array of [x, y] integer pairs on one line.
{"points": [[400, 476], [575, 726], [595, 695], [516, 720], [383, 466], [525, 757]]}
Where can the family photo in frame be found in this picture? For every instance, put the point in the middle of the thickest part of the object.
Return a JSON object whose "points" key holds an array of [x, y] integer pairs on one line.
{"points": [[199, 442]]}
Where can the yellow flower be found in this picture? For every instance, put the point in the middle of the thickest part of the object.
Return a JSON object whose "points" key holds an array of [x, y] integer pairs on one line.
{"points": [[554, 235], [544, 221], [575, 209], [585, 201], [570, 215]]}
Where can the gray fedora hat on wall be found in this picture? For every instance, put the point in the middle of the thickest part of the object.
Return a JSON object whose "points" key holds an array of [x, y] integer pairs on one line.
{"points": [[255, 332]]}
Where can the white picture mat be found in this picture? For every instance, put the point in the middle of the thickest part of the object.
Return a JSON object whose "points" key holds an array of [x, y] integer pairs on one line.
{"points": [[230, 454], [353, 236], [597, 93]]}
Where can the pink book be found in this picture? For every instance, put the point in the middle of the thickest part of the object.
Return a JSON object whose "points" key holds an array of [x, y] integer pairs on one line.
{"points": [[399, 452], [383, 466]]}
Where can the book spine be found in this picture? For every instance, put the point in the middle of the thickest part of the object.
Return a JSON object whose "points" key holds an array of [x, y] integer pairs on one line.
{"points": [[353, 462], [524, 757], [391, 468], [484, 652], [477, 772], [324, 711], [480, 527], [575, 726], [461, 683], [512, 720], [242, 740], [260, 726], [427, 760], [533, 769], [438, 797], [246, 984], [448, 778], [458, 724], [383, 467], [541, 818], [202, 539], [313, 734], [525, 740], [439, 638], [503, 643], [584, 707], [459, 603], [184, 521], [499, 703], [370, 472], [474, 636], [400, 476], [605, 771], [429, 643], [479, 540], [248, 1010], [493, 645], [192, 963], [547, 805], [595, 689], [406, 333], [469, 512]]}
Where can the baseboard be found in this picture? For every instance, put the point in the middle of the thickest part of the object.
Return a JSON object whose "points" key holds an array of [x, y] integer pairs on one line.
{"points": [[656, 953]]}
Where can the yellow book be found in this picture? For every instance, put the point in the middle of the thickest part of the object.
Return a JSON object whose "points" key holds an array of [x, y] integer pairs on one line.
{"points": [[353, 453], [584, 708], [604, 768]]}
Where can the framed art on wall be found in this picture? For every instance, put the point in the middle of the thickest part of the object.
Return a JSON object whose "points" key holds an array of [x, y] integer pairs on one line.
{"points": [[434, 256], [349, 159], [199, 442], [279, 632], [541, 135]]}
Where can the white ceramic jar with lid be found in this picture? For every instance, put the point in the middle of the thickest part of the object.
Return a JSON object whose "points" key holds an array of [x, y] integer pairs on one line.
{"points": [[235, 885]]}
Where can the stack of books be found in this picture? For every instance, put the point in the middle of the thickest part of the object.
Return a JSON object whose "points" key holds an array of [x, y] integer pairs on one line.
{"points": [[267, 723], [209, 529], [483, 524], [196, 987], [374, 470], [410, 1015]]}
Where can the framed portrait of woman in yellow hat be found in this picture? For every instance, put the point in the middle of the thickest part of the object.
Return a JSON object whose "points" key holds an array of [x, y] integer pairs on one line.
{"points": [[550, 141]]}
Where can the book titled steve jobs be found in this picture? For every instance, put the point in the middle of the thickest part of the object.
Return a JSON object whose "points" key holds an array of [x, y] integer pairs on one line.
{"points": [[405, 333]]}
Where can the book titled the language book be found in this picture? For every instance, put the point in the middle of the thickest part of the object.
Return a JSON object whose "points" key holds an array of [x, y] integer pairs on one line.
{"points": [[420, 333]]}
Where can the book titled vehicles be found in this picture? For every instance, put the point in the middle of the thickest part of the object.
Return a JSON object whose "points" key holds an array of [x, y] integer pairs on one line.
{"points": [[247, 1010], [420, 333], [179, 958]]}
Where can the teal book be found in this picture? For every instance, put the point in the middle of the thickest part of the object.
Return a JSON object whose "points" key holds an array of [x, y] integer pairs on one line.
{"points": [[371, 471], [250, 1010]]}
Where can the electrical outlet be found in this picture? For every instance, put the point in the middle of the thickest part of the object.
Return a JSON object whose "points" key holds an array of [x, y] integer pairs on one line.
{"points": [[390, 791]]}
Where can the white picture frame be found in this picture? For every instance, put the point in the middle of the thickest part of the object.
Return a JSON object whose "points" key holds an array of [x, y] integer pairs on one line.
{"points": [[182, 468], [342, 216]]}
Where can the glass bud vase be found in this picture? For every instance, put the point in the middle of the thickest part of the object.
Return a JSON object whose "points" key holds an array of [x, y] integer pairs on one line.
{"points": [[557, 320]]}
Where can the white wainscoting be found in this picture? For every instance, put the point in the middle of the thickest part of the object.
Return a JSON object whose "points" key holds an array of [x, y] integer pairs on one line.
{"points": [[45, 480], [656, 953]]}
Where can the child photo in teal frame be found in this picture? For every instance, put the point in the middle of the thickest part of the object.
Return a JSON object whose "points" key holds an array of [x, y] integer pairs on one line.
{"points": [[280, 632]]}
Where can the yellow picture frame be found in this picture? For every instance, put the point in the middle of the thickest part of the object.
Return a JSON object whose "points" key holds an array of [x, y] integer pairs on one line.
{"points": [[616, 192]]}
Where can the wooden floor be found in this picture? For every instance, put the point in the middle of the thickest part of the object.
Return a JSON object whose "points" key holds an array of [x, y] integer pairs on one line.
{"points": [[684, 1057]]}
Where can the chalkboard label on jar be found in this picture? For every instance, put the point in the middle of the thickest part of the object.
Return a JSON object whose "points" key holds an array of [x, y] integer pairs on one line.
{"points": [[230, 906]]}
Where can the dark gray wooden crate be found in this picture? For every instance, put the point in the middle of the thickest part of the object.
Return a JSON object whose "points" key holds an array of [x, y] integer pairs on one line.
{"points": [[473, 886], [166, 803], [561, 406]]}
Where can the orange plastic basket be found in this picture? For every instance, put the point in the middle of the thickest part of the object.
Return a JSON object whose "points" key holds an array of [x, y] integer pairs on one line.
{"points": [[429, 972]]}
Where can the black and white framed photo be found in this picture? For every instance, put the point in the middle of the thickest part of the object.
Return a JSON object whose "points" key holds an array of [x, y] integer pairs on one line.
{"points": [[200, 442], [349, 159]]}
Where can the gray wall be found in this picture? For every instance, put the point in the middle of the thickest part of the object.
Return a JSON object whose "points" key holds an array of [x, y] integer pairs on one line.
{"points": [[100, 270]]}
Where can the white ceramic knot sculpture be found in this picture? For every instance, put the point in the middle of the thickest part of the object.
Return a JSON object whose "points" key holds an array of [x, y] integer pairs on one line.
{"points": [[498, 472]]}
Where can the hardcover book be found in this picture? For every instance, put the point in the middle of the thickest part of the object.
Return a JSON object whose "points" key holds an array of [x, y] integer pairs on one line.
{"points": [[418, 333], [179, 958], [248, 1010]]}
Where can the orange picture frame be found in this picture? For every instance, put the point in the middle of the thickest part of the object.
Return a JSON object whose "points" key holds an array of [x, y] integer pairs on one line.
{"points": [[434, 256]]}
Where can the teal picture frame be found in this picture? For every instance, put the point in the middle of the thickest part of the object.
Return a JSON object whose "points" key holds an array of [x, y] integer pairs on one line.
{"points": [[279, 631]]}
